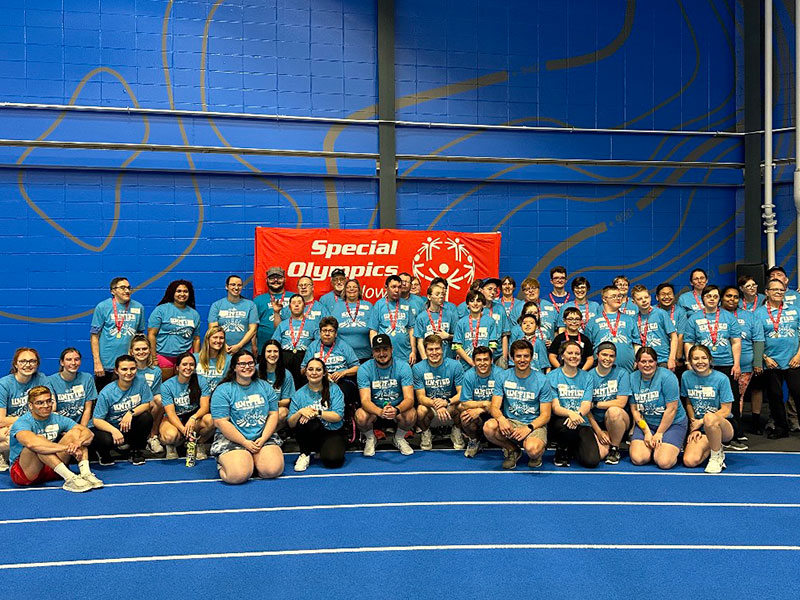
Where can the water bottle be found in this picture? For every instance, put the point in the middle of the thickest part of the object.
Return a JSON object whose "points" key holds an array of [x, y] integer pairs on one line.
{"points": [[191, 448]]}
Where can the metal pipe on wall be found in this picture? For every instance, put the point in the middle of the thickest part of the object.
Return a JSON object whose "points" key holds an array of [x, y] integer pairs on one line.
{"points": [[796, 189], [770, 220]]}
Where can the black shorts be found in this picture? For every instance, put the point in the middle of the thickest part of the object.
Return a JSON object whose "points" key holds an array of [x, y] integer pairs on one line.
{"points": [[383, 424]]}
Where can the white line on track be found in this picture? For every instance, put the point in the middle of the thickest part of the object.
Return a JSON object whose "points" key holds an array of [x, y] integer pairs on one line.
{"points": [[312, 507], [533, 473], [376, 549]]}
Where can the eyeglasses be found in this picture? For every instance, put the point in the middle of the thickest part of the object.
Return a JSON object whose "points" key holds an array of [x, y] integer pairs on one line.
{"points": [[573, 319], [779, 290], [40, 403], [246, 364], [327, 330], [124, 288], [28, 361]]}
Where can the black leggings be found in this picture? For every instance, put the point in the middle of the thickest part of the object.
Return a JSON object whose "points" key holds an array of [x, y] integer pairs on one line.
{"points": [[313, 437], [580, 441], [135, 437], [773, 386]]}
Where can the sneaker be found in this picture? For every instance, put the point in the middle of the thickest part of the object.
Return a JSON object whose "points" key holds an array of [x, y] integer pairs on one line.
{"points": [[401, 444], [369, 445], [302, 462], [105, 460], [735, 445], [3, 463], [202, 451], [136, 457], [426, 440], [613, 456], [562, 457], [76, 484], [775, 434], [92, 480], [716, 462], [535, 463], [741, 437], [473, 447], [172, 452], [154, 445], [511, 458], [456, 438]]}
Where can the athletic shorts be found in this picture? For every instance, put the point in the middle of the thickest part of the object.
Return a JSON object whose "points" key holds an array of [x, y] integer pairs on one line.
{"points": [[221, 444], [540, 433], [167, 362], [383, 424], [675, 435], [18, 475]]}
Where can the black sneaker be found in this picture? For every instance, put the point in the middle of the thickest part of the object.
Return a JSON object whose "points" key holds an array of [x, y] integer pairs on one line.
{"points": [[613, 456], [136, 457], [562, 457], [775, 434], [735, 445], [106, 461]]}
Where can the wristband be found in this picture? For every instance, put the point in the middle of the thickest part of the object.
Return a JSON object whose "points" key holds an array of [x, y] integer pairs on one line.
{"points": [[530, 426], [642, 424]]}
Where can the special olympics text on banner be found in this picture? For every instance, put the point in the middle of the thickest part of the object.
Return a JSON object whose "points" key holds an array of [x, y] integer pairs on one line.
{"points": [[370, 255]]}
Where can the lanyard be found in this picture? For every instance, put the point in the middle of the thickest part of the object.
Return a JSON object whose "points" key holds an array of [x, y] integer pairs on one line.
{"points": [[296, 340], [349, 314], [559, 304], [437, 327], [775, 322], [476, 331], [615, 328], [322, 354], [393, 321], [510, 309], [643, 331], [584, 316], [714, 333], [118, 321]]}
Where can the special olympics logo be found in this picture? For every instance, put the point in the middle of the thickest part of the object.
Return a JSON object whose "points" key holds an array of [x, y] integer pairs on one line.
{"points": [[446, 258]]}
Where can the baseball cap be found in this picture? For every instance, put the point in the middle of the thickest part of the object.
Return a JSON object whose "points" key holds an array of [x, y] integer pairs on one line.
{"points": [[490, 280], [276, 271], [381, 341], [338, 273]]}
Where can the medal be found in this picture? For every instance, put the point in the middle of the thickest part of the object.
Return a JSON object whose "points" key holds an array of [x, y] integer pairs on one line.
{"points": [[613, 330], [119, 335], [392, 333], [119, 320], [294, 351], [296, 340], [713, 331], [714, 348], [776, 323]]}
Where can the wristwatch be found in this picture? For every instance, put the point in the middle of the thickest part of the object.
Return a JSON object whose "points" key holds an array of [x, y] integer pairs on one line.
{"points": [[319, 413]]}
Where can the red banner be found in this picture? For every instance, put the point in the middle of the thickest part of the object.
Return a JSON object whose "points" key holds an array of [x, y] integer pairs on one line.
{"points": [[370, 255]]}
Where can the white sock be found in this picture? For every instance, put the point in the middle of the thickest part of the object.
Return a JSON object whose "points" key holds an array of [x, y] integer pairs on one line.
{"points": [[63, 471], [400, 433], [83, 467], [369, 434]]}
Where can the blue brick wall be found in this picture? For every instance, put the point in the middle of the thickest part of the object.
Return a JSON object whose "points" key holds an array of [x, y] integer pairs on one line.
{"points": [[504, 62]]}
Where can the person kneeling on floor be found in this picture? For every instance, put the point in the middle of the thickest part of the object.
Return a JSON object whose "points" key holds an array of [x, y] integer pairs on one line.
{"points": [[521, 405], [42, 443], [316, 414]]}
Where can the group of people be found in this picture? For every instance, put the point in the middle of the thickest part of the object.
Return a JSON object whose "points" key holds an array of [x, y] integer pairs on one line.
{"points": [[513, 372]]}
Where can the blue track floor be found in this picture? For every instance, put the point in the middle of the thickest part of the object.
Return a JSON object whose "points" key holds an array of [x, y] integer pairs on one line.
{"points": [[431, 525]]}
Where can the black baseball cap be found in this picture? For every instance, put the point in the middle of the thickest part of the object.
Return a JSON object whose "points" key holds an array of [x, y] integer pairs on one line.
{"points": [[338, 273], [490, 280], [381, 341]]}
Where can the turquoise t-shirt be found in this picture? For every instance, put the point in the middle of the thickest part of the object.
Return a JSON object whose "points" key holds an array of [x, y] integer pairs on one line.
{"points": [[177, 328], [151, 376], [588, 310], [234, 318], [336, 358], [523, 396], [287, 387], [623, 332], [697, 330], [782, 335], [71, 396], [296, 330], [176, 394], [381, 319], [306, 397], [113, 402], [479, 389], [440, 382], [50, 428], [656, 329], [210, 378], [751, 332], [247, 407], [608, 387], [263, 303], [706, 393], [385, 385], [540, 360], [487, 335], [14, 395], [428, 323], [571, 391], [353, 319], [651, 397], [104, 325]]}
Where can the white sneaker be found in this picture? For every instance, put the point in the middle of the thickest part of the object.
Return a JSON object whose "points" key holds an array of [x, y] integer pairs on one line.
{"points": [[369, 445], [3, 463], [456, 438], [93, 480], [473, 447], [716, 462], [401, 444], [426, 440], [202, 451], [154, 445], [172, 452], [76, 484], [302, 462]]}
